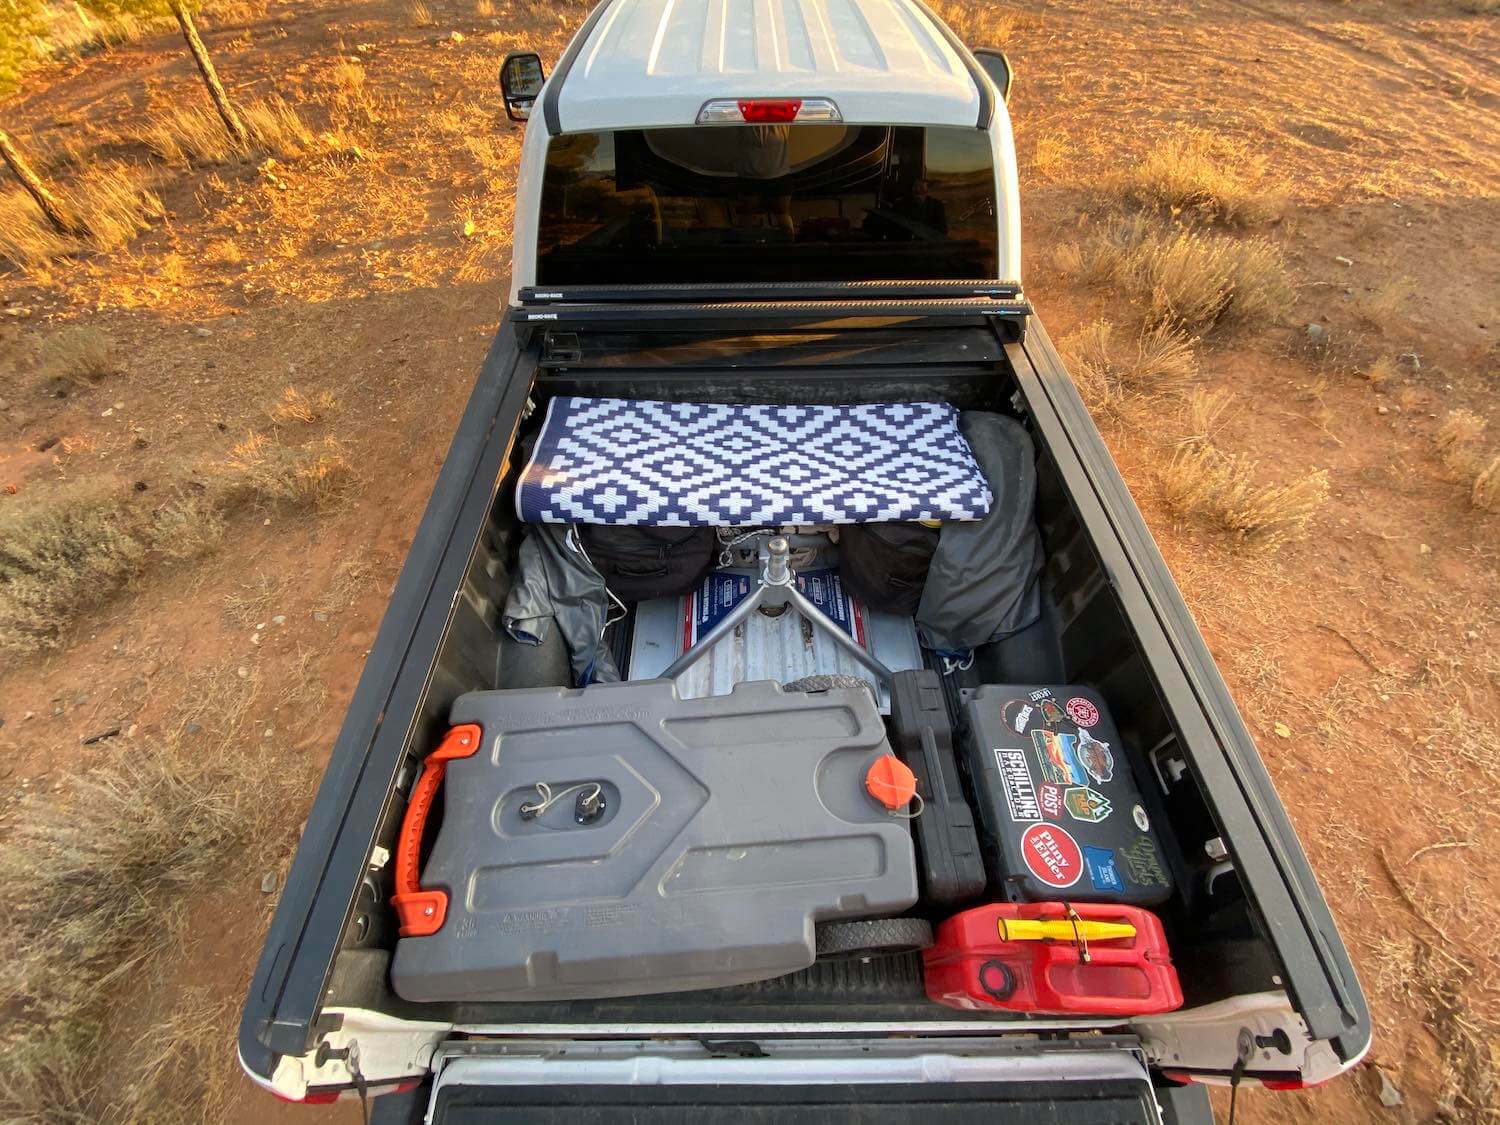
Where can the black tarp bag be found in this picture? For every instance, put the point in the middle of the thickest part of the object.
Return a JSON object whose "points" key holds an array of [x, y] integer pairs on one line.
{"points": [[640, 563], [885, 565]]}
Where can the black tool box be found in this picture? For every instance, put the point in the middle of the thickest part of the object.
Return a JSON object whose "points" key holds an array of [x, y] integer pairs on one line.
{"points": [[1059, 807], [947, 843]]}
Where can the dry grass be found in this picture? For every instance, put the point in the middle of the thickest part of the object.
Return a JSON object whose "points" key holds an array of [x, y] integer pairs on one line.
{"points": [[1204, 415], [484, 9], [1219, 489], [1485, 494], [1189, 279], [188, 526], [61, 554], [1049, 155], [90, 880], [980, 24], [260, 472], [1391, 298], [347, 81], [189, 132], [1379, 371], [419, 14], [1112, 374], [79, 355], [295, 406], [1461, 430], [69, 550], [1196, 173], [108, 203]]}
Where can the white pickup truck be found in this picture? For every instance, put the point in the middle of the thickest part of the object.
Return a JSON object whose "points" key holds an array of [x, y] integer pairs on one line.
{"points": [[736, 203]]}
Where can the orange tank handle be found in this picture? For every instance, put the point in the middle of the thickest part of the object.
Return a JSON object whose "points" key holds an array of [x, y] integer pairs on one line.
{"points": [[422, 912]]}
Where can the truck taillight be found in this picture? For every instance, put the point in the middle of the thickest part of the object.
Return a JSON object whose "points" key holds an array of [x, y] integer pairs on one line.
{"points": [[767, 111]]}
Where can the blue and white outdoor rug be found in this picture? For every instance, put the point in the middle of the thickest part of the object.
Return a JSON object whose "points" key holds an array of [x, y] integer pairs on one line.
{"points": [[676, 464]]}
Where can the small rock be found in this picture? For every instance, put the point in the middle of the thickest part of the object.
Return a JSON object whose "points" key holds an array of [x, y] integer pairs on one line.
{"points": [[1423, 549], [279, 619], [1315, 332], [203, 331], [1382, 409], [1282, 730], [269, 733], [1470, 635], [193, 728], [119, 405], [132, 730], [320, 616], [255, 638], [1390, 1097], [28, 715], [268, 882], [455, 37], [107, 413], [266, 522], [242, 672], [1343, 261]]}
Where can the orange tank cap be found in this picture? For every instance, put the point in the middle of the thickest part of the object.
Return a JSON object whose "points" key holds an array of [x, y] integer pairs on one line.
{"points": [[891, 782]]}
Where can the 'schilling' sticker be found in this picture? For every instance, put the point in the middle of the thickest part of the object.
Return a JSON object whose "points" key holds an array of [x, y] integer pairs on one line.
{"points": [[1020, 797], [1051, 855]]}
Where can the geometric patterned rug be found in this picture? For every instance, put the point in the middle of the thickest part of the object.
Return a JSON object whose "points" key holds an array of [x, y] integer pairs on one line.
{"points": [[685, 464]]}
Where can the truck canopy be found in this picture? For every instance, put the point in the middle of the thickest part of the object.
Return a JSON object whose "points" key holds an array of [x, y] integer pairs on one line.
{"points": [[649, 63]]}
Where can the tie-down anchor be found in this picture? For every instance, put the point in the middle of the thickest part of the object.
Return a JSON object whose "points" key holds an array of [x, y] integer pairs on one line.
{"points": [[777, 588]]}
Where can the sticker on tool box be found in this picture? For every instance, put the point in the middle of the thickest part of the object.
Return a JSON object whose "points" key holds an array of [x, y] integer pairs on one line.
{"points": [[1020, 796], [1102, 871], [1057, 755], [1087, 805], [720, 592], [1052, 855]]}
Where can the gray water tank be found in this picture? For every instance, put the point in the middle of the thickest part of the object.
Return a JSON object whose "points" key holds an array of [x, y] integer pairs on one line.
{"points": [[730, 825]]}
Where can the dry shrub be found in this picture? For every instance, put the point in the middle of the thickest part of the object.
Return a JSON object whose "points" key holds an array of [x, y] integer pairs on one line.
{"points": [[1460, 430], [1219, 489], [1112, 374], [188, 526], [1486, 493], [194, 133], [484, 9], [79, 355], [259, 472], [1189, 279], [419, 14], [1194, 172], [61, 554], [90, 879], [347, 79], [1379, 371], [295, 406], [1049, 154]]}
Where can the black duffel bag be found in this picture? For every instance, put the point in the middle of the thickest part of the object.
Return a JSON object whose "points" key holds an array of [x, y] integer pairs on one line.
{"points": [[885, 564], [640, 563]]}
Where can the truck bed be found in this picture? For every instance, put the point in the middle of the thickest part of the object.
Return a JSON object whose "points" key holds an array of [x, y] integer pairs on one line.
{"points": [[1257, 935]]}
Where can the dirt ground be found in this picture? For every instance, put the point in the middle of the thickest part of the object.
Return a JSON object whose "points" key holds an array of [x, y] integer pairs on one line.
{"points": [[1366, 657]]}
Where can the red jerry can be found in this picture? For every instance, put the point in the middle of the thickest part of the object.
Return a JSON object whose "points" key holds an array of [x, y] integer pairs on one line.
{"points": [[973, 966]]}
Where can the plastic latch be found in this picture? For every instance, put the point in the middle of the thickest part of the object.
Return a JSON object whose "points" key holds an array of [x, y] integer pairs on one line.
{"points": [[891, 782]]}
